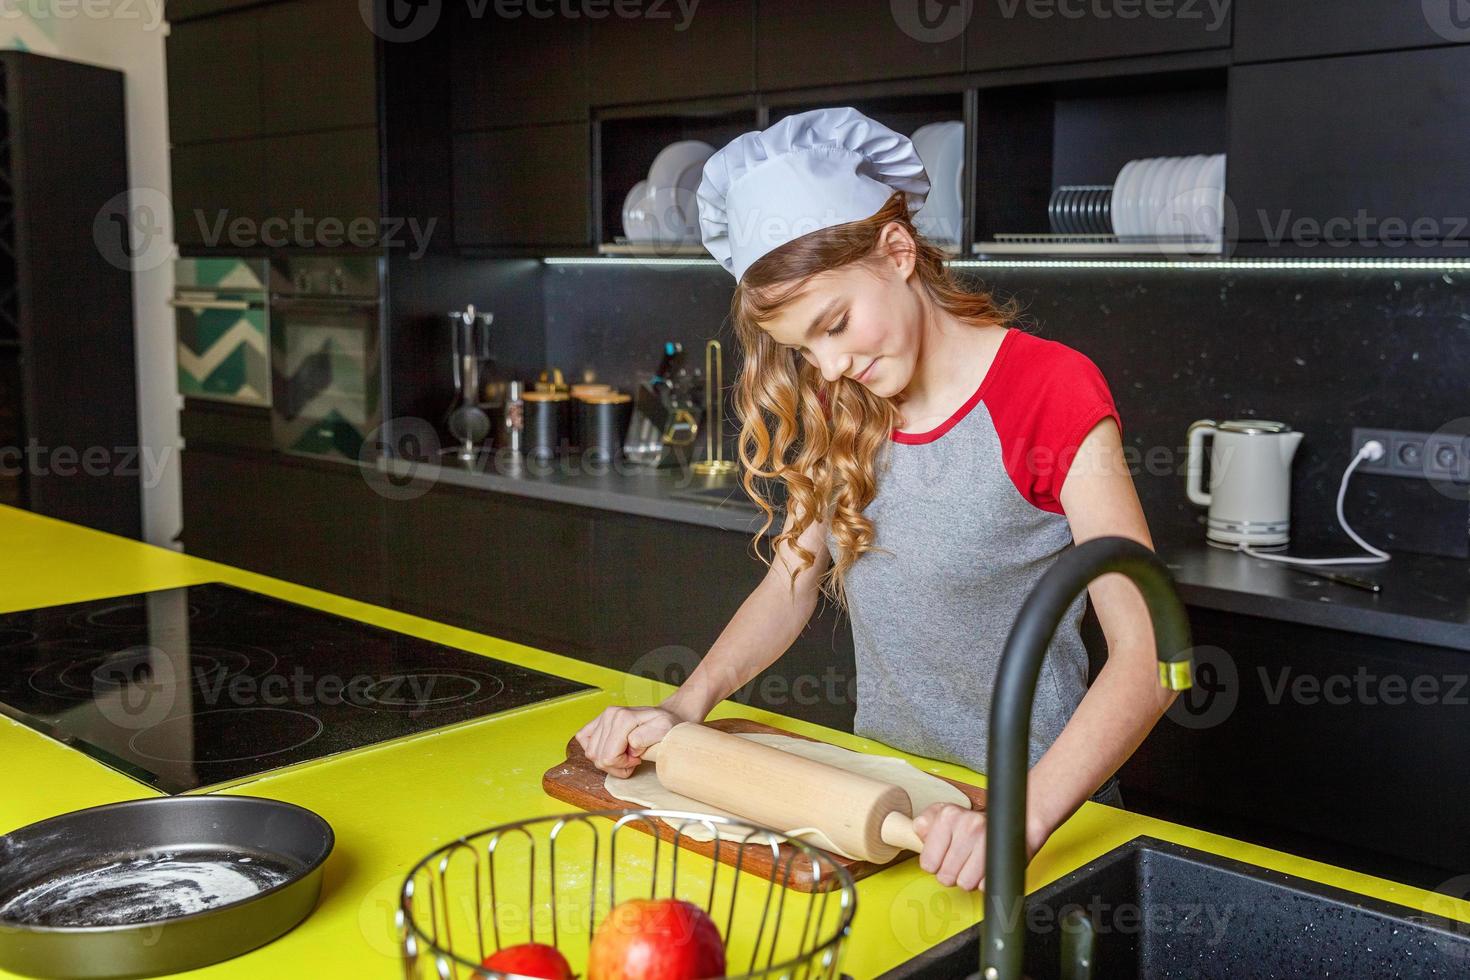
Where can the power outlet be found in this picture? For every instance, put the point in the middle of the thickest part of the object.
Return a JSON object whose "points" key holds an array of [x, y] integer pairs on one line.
{"points": [[1441, 455]]}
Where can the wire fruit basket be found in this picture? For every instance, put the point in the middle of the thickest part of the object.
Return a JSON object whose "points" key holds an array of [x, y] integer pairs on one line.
{"points": [[554, 879]]}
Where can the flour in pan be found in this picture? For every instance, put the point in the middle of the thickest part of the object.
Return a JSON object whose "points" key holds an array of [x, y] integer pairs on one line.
{"points": [[147, 888]]}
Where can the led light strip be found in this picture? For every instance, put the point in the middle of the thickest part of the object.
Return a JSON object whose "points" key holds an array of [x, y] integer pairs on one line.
{"points": [[1215, 264]]}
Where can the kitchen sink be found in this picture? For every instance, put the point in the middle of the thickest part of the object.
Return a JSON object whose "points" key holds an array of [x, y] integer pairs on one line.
{"points": [[1160, 910]]}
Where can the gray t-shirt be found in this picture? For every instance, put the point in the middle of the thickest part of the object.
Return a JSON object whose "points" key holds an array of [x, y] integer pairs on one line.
{"points": [[969, 517]]}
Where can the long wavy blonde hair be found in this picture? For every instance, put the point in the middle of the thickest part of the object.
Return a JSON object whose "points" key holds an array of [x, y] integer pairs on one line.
{"points": [[822, 440]]}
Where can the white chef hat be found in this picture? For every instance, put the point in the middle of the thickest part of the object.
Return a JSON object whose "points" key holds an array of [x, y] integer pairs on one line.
{"points": [[809, 171]]}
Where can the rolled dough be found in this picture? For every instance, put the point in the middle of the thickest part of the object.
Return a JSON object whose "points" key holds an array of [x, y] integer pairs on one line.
{"points": [[924, 789]]}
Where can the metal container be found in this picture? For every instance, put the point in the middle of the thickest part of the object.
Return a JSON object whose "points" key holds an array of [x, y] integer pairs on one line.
{"points": [[113, 891], [553, 880]]}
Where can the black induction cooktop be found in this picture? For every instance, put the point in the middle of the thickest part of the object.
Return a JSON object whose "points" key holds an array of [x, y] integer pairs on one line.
{"points": [[190, 687]]}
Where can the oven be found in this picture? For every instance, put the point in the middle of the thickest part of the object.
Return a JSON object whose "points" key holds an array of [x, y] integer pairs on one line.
{"points": [[326, 315]]}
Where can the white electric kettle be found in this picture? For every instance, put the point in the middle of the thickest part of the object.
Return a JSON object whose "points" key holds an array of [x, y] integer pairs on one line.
{"points": [[1249, 499]]}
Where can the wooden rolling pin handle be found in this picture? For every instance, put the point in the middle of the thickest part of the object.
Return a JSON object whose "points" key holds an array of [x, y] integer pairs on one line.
{"points": [[898, 831], [650, 753]]}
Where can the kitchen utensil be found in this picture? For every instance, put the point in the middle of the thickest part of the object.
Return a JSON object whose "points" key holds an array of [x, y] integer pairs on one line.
{"points": [[1351, 581], [861, 815], [159, 885], [514, 421], [666, 415], [470, 345], [714, 462], [547, 423], [604, 419], [553, 879], [1249, 498], [578, 782]]}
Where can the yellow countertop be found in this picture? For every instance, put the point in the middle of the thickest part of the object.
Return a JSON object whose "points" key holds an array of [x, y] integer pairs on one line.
{"points": [[392, 803]]}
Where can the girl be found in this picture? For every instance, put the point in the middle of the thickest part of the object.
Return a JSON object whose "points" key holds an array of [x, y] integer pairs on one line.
{"points": [[937, 460]]}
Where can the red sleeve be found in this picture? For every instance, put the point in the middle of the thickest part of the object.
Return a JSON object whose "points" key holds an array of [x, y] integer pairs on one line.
{"points": [[1043, 405]]}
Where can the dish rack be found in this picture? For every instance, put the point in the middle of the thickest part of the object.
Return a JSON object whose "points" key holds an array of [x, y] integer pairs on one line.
{"points": [[553, 879]]}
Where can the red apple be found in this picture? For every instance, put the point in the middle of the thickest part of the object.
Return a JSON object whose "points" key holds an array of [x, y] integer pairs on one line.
{"points": [[656, 939], [531, 960]]}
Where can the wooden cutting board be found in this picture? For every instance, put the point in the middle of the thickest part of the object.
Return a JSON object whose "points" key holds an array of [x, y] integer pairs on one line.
{"points": [[578, 782]]}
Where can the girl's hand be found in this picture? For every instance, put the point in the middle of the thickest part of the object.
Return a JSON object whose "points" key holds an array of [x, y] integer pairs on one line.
{"points": [[614, 741], [954, 844]]}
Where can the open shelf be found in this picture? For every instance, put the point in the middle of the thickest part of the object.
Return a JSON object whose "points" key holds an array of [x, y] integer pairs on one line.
{"points": [[1083, 132], [626, 146]]}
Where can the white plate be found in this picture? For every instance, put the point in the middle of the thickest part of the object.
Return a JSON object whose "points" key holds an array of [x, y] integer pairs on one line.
{"points": [[669, 166], [637, 224], [1171, 218], [944, 197], [1119, 183], [1187, 198], [1133, 198], [1153, 194]]}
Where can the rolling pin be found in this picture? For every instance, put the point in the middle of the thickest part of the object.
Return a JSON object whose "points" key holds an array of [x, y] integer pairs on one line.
{"points": [[867, 818]]}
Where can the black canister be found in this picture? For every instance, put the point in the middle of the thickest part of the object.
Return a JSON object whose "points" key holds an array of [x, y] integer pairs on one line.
{"points": [[604, 423], [546, 421]]}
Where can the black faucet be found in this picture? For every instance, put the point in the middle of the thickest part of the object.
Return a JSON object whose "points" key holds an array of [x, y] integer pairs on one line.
{"points": [[1003, 931]]}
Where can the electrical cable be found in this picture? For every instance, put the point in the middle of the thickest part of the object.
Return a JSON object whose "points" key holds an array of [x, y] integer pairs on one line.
{"points": [[1372, 450]]}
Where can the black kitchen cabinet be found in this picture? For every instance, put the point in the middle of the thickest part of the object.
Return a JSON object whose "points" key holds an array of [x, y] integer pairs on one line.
{"points": [[215, 183], [523, 186], [814, 42], [332, 174], [316, 523], [214, 78], [69, 444], [664, 593], [510, 566], [316, 67], [181, 10], [1005, 34], [272, 109], [666, 58], [1268, 30], [1325, 742], [513, 70], [1351, 156]]}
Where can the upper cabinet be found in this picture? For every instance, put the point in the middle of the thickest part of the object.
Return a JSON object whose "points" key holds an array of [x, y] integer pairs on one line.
{"points": [[668, 54], [514, 68], [1017, 33], [1267, 30], [317, 68], [1352, 156], [272, 109], [817, 42]]}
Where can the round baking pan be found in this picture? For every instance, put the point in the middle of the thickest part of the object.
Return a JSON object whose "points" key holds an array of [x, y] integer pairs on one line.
{"points": [[156, 886]]}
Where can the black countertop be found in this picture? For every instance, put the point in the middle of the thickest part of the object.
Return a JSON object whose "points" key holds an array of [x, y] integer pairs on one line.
{"points": [[1424, 599]]}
